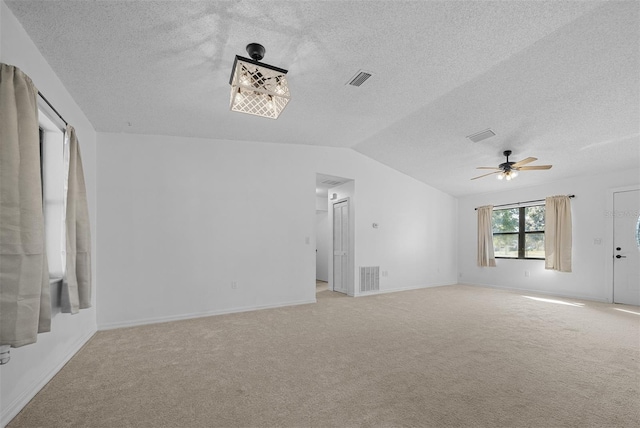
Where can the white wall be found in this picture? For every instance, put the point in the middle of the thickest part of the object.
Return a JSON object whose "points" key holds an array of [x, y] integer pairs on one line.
{"points": [[32, 366], [323, 236], [322, 203], [417, 228], [591, 277], [184, 218], [323, 241]]}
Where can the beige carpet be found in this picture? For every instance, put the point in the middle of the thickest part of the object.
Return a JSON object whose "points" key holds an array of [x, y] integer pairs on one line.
{"points": [[321, 286], [453, 356]]}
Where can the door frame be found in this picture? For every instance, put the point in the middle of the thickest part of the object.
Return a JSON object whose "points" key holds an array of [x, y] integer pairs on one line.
{"points": [[609, 252], [349, 285]]}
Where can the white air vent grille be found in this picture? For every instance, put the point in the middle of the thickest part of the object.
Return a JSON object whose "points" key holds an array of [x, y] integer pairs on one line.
{"points": [[369, 278], [482, 135], [332, 182], [359, 78]]}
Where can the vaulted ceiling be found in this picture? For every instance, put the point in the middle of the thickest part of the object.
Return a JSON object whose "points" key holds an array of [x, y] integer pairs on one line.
{"points": [[557, 80]]}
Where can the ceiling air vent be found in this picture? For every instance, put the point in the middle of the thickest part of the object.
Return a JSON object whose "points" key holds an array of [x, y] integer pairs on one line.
{"points": [[482, 135], [332, 182], [359, 78]]}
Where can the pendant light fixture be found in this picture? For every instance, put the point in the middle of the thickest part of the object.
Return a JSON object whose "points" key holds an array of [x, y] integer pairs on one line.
{"points": [[257, 88]]}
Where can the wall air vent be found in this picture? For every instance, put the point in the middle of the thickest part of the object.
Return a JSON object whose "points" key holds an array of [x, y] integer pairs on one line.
{"points": [[369, 278], [359, 78], [482, 135]]}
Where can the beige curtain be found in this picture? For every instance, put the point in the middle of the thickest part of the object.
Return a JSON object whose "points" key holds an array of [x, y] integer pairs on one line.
{"points": [[25, 303], [557, 233], [485, 237], [76, 284]]}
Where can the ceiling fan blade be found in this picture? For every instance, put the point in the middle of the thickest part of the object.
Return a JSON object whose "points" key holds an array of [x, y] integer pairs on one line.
{"points": [[484, 175], [524, 161], [489, 167], [529, 168]]}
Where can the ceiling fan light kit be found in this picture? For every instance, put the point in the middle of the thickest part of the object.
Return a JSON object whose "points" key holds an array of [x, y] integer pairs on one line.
{"points": [[509, 170], [508, 175], [257, 88]]}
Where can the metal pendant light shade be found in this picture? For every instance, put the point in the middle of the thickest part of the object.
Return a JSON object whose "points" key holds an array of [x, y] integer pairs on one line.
{"points": [[257, 88]]}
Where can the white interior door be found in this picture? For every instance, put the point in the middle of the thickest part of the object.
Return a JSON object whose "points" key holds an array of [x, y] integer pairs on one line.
{"points": [[340, 246], [626, 248]]}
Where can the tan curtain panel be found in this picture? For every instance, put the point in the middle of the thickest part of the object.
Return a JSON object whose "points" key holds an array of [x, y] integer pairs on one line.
{"points": [[25, 303], [76, 284], [557, 233], [485, 237]]}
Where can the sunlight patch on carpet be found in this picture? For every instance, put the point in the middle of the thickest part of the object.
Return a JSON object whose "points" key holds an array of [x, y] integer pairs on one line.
{"points": [[559, 302], [627, 311]]}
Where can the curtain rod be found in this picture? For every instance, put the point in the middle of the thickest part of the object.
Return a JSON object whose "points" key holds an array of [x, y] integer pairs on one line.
{"points": [[525, 202], [52, 107]]}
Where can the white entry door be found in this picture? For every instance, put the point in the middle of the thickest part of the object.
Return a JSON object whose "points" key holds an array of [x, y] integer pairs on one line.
{"points": [[626, 249], [341, 246]]}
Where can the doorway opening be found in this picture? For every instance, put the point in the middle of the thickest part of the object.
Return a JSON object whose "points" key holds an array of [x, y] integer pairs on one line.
{"points": [[329, 191]]}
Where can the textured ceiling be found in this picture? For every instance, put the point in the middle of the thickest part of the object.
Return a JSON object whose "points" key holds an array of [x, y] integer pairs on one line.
{"points": [[556, 80]]}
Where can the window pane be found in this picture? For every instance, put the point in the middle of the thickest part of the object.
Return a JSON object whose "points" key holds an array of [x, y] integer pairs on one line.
{"points": [[53, 190], [505, 220], [505, 245], [534, 218], [534, 245]]}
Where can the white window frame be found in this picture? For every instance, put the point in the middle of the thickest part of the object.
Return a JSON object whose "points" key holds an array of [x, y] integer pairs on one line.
{"points": [[54, 179], [521, 233]]}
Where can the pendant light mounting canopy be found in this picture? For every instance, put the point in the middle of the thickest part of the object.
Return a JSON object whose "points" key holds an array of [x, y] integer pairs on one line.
{"points": [[256, 51]]}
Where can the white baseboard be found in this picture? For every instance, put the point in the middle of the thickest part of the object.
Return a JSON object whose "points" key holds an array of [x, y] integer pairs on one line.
{"points": [[156, 320], [23, 399], [546, 293]]}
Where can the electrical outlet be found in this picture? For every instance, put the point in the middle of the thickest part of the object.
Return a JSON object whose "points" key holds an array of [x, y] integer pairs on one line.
{"points": [[526, 273], [234, 284]]}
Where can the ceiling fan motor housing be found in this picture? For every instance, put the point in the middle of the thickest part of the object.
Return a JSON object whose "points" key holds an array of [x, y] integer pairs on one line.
{"points": [[506, 166]]}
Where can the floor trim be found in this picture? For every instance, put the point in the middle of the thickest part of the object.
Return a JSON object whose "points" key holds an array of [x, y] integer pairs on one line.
{"points": [[146, 321], [23, 399]]}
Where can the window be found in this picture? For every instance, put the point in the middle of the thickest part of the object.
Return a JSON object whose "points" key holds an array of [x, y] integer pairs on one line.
{"points": [[53, 179], [518, 233]]}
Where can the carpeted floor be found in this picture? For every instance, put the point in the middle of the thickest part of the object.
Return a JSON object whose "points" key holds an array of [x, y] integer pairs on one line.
{"points": [[321, 286], [455, 356]]}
